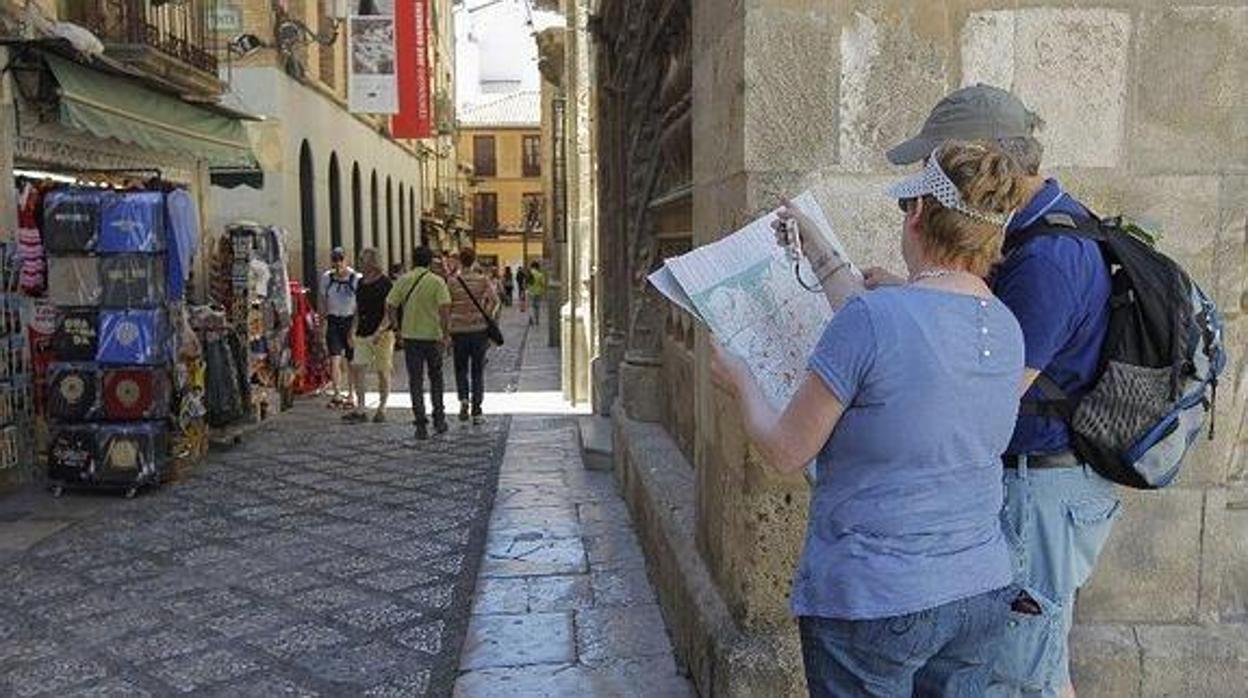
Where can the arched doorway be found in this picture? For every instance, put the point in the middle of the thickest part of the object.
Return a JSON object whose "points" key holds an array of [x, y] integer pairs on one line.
{"points": [[418, 225], [374, 212], [335, 203], [357, 208], [307, 218], [391, 245], [400, 255]]}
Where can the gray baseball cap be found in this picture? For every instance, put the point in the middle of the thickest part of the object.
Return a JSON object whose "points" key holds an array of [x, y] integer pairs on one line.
{"points": [[976, 113]]}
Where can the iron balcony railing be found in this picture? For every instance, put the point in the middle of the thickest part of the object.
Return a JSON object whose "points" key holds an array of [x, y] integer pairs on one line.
{"points": [[182, 29]]}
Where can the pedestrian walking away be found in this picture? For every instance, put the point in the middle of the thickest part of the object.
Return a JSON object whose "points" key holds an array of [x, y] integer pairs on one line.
{"points": [[374, 338], [420, 306], [1058, 511], [522, 287], [537, 292], [338, 307], [902, 587], [509, 286], [474, 304]]}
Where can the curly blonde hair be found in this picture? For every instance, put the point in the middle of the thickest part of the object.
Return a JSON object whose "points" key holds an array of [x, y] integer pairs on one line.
{"points": [[990, 181]]}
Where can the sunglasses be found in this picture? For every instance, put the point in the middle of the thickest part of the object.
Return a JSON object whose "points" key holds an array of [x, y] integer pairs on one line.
{"points": [[905, 204]]}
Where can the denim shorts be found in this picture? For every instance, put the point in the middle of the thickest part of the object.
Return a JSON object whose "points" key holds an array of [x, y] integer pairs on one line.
{"points": [[1056, 522], [942, 651]]}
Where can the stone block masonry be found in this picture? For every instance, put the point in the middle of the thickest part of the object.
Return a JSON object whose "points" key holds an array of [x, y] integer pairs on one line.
{"points": [[1146, 113]]}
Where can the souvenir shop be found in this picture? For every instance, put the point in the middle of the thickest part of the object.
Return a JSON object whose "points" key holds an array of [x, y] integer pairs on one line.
{"points": [[121, 356]]}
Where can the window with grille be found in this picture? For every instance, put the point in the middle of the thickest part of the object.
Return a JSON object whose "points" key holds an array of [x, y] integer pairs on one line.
{"points": [[484, 162], [532, 156]]}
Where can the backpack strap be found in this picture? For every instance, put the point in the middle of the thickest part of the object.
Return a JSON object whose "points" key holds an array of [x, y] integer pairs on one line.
{"points": [[1054, 402], [1055, 224]]}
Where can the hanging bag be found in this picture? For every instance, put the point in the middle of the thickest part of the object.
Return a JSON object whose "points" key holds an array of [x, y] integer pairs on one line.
{"points": [[491, 328]]}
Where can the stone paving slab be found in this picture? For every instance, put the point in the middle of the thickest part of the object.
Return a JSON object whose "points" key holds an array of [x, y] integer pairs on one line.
{"points": [[314, 559], [563, 604]]}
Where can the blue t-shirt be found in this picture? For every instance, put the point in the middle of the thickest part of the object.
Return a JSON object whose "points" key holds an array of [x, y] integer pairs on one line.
{"points": [[1058, 287], [905, 510]]}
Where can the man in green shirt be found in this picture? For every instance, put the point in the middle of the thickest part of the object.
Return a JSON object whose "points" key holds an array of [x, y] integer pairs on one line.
{"points": [[420, 306], [537, 291]]}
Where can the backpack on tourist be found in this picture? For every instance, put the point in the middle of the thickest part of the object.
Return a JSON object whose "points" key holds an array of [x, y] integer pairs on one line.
{"points": [[1159, 366]]}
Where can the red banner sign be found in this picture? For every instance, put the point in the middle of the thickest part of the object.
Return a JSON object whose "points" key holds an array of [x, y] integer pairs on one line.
{"points": [[415, 117]]}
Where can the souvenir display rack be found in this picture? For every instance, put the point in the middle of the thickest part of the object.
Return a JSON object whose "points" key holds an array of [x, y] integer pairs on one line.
{"points": [[114, 284], [251, 340]]}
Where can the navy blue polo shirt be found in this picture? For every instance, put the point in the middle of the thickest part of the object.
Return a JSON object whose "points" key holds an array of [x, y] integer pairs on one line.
{"points": [[1058, 288]]}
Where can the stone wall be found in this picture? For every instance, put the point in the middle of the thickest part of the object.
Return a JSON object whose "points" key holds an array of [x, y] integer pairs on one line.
{"points": [[1146, 105]]}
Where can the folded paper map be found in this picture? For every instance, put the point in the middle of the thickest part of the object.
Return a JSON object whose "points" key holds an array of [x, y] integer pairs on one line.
{"points": [[744, 289]]}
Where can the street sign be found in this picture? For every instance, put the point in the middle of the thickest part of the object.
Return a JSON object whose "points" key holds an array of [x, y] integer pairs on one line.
{"points": [[229, 19]]}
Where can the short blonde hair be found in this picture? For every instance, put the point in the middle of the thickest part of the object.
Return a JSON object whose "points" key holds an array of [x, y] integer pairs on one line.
{"points": [[990, 181], [370, 257]]}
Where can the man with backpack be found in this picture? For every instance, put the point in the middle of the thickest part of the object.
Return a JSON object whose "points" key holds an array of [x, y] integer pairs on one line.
{"points": [[338, 308], [1114, 392], [420, 306]]}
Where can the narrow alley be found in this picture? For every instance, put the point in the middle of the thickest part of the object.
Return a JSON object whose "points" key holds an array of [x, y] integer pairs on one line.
{"points": [[323, 559]]}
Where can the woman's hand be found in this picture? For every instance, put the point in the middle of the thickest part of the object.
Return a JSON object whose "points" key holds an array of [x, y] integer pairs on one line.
{"points": [[823, 258], [838, 278], [875, 277]]}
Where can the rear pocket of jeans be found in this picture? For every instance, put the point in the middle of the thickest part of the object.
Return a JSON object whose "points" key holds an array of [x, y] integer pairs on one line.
{"points": [[1032, 645]]}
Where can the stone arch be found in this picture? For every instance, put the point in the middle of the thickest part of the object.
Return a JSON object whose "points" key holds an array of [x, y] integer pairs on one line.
{"points": [[307, 216], [357, 208], [335, 203], [390, 243], [374, 212]]}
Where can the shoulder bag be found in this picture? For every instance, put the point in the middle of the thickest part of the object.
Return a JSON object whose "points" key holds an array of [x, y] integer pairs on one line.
{"points": [[492, 330]]}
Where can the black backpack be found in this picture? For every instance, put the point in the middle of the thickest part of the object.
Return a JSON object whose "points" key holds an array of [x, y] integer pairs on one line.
{"points": [[1159, 366]]}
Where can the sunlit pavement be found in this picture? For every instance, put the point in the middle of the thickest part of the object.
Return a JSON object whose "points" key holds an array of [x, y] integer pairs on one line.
{"points": [[320, 558]]}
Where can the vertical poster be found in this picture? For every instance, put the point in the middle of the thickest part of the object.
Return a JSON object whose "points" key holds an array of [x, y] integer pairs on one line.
{"points": [[415, 113], [372, 86]]}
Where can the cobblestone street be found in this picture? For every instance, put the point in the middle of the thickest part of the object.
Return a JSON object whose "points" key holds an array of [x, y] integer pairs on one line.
{"points": [[324, 559]]}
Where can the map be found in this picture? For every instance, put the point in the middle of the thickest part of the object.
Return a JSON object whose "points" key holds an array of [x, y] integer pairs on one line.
{"points": [[744, 289]]}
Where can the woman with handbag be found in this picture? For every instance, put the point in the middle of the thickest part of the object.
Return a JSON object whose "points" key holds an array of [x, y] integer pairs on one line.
{"points": [[473, 307]]}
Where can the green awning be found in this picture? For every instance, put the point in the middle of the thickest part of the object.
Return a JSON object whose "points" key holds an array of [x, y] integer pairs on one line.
{"points": [[108, 106]]}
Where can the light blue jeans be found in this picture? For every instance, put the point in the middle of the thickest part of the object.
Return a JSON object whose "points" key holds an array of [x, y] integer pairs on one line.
{"points": [[1056, 521]]}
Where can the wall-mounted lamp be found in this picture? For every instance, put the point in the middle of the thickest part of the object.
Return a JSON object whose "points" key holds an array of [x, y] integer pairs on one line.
{"points": [[244, 45], [291, 34]]}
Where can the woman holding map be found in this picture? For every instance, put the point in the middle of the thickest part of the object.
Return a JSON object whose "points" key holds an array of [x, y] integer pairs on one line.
{"points": [[909, 401]]}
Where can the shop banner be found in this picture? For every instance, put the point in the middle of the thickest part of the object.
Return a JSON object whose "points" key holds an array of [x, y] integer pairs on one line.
{"points": [[415, 114], [372, 86]]}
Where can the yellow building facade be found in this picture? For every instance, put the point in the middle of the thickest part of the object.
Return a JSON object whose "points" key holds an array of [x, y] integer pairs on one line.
{"points": [[500, 150]]}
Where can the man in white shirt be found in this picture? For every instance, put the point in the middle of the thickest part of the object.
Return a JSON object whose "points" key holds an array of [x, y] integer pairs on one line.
{"points": [[337, 293]]}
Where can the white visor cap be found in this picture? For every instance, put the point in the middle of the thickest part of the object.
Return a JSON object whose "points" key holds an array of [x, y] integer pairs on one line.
{"points": [[933, 180]]}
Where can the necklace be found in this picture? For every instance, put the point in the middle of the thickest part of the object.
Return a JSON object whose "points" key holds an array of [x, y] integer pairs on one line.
{"points": [[932, 274]]}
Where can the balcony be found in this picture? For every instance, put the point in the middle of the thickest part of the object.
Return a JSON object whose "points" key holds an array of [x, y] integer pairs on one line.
{"points": [[170, 40]]}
